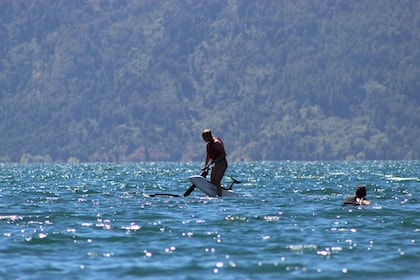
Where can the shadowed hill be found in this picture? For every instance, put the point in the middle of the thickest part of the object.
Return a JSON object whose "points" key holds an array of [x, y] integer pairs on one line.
{"points": [[138, 80]]}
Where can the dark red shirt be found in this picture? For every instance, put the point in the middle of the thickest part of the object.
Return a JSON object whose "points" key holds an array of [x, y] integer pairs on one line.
{"points": [[212, 152]]}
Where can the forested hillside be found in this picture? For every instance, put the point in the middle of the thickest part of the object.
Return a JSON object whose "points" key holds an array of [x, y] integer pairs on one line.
{"points": [[136, 80]]}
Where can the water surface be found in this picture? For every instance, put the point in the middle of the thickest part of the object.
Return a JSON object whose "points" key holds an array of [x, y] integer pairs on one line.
{"points": [[93, 221]]}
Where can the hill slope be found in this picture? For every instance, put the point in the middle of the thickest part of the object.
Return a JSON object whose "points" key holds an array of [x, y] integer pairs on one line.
{"points": [[138, 80]]}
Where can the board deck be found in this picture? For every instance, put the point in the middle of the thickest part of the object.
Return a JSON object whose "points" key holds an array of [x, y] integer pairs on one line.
{"points": [[208, 188]]}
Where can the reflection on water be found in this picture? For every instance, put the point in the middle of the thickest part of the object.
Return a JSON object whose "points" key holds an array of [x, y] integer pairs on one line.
{"points": [[93, 221]]}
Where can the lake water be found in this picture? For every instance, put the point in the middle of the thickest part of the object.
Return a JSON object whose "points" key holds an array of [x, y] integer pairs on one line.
{"points": [[93, 221]]}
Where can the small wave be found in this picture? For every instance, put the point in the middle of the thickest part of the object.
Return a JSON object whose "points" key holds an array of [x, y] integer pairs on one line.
{"points": [[402, 179], [11, 217]]}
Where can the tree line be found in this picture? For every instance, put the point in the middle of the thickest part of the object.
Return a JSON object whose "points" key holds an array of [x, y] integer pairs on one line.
{"points": [[276, 80]]}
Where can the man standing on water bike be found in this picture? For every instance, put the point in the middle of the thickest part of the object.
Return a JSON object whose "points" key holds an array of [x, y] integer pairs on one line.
{"points": [[216, 155]]}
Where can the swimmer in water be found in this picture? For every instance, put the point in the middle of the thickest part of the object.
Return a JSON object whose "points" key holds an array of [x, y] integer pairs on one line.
{"points": [[359, 197]]}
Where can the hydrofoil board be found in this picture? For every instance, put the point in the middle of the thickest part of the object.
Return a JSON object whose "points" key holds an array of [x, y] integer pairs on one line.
{"points": [[208, 188]]}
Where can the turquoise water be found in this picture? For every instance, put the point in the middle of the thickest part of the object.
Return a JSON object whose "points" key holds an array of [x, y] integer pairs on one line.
{"points": [[93, 221]]}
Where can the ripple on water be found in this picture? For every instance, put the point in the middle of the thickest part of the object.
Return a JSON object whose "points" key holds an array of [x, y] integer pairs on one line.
{"points": [[92, 221]]}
